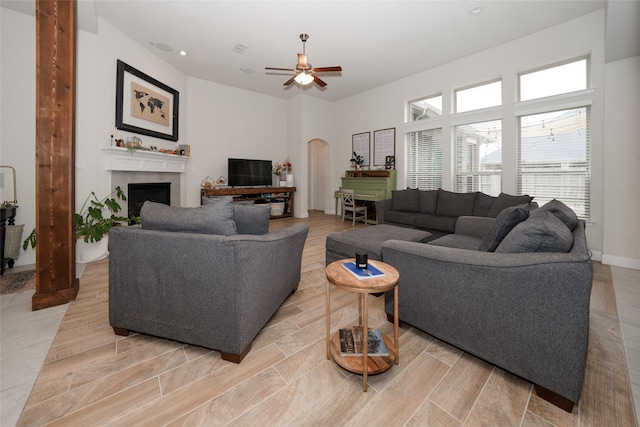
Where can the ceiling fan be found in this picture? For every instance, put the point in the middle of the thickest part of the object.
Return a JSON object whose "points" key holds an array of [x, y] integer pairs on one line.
{"points": [[304, 72]]}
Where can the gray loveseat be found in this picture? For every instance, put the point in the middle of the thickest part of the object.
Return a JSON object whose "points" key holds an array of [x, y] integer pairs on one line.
{"points": [[437, 211], [194, 275], [521, 303]]}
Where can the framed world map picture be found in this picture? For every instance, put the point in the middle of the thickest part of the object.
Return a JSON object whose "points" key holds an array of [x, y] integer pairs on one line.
{"points": [[144, 105]]}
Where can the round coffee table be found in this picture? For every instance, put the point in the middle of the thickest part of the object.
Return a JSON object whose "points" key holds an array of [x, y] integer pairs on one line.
{"points": [[339, 276]]}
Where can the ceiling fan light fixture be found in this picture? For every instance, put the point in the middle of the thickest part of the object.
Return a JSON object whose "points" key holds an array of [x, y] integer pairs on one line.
{"points": [[303, 78]]}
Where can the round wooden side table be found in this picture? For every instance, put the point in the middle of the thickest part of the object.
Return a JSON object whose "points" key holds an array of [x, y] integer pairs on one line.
{"points": [[339, 276]]}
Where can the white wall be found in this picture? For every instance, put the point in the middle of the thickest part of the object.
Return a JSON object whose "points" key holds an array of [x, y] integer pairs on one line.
{"points": [[622, 163], [384, 107], [226, 122], [17, 116], [113, 45]]}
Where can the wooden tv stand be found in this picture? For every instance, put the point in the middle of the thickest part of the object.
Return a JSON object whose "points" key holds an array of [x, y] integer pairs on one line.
{"points": [[255, 193]]}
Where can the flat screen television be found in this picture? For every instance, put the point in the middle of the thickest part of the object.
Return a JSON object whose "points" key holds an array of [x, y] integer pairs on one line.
{"points": [[248, 173]]}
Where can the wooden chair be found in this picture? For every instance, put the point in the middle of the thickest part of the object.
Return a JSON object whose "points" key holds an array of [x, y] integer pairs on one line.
{"points": [[349, 204]]}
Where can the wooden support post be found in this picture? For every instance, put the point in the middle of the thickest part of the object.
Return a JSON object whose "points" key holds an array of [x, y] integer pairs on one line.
{"points": [[56, 281]]}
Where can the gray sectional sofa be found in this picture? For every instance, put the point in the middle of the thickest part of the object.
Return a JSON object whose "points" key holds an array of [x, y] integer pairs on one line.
{"points": [[512, 290], [211, 275], [437, 211]]}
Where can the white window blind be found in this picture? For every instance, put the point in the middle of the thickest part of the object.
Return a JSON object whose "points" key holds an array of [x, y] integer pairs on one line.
{"points": [[554, 159], [424, 159], [478, 157]]}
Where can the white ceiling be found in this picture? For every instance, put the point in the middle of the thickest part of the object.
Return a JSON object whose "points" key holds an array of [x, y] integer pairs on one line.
{"points": [[375, 42]]}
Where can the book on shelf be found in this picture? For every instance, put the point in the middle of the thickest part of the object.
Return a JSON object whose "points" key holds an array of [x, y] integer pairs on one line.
{"points": [[351, 340], [368, 273]]}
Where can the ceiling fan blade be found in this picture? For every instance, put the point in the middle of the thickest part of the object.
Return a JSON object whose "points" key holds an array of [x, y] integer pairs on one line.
{"points": [[318, 81], [279, 69], [288, 82], [326, 69], [302, 61]]}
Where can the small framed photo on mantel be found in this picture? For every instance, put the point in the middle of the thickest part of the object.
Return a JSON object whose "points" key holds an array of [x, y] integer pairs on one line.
{"points": [[144, 105]]}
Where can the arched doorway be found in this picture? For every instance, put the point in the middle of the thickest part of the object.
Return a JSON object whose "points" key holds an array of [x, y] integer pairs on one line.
{"points": [[317, 171]]}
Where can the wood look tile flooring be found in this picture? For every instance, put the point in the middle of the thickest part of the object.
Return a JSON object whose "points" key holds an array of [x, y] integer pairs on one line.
{"points": [[91, 377]]}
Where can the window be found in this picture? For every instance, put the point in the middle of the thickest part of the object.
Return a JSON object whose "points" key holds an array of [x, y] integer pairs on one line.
{"points": [[478, 155], [424, 159], [426, 108], [554, 80], [477, 97], [553, 158]]}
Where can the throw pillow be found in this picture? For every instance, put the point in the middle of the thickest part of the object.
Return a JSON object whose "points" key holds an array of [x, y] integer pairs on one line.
{"points": [[252, 219], [214, 218], [428, 201], [563, 212], [454, 204], [405, 200], [540, 233], [505, 200], [504, 223]]}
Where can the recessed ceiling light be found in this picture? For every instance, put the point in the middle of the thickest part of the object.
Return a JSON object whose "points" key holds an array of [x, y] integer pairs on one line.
{"points": [[239, 48], [183, 52], [248, 70], [164, 47], [475, 11]]}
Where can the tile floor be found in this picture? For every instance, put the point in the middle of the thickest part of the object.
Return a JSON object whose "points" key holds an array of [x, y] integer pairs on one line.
{"points": [[25, 338]]}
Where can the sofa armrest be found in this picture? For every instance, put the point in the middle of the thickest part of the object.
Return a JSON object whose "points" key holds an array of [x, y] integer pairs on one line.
{"points": [[381, 207], [474, 226]]}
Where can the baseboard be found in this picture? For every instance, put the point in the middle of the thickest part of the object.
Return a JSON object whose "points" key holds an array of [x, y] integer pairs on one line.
{"points": [[596, 255], [26, 259], [621, 261]]}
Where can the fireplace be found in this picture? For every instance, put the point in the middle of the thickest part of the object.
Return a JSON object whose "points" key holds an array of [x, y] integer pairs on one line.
{"points": [[138, 193]]}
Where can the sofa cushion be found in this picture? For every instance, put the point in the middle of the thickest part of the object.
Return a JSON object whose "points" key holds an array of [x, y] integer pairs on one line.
{"points": [[398, 217], [434, 222], [458, 241], [428, 201], [215, 218], [539, 233], [252, 219], [454, 204], [482, 204], [563, 212], [405, 200], [504, 223], [505, 200]]}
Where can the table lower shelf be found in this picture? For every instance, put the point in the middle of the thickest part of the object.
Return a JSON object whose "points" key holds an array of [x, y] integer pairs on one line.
{"points": [[375, 364]]}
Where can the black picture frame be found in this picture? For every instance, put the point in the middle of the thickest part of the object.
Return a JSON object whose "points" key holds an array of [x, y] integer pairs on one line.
{"points": [[384, 144], [126, 74], [361, 145]]}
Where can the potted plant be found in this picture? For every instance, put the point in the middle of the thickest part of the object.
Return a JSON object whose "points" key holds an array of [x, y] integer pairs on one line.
{"points": [[92, 223], [356, 161]]}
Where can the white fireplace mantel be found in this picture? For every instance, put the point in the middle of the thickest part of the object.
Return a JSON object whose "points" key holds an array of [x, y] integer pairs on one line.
{"points": [[122, 159]]}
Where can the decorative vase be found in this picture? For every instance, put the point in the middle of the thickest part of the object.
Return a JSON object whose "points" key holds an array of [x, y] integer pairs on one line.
{"points": [[289, 180], [283, 180], [88, 252]]}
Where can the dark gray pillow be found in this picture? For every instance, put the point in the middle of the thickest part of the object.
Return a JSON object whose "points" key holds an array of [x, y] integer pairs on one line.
{"points": [[563, 212], [252, 219], [454, 204], [215, 218], [482, 203], [504, 223], [428, 201], [405, 200], [539, 233], [505, 200]]}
